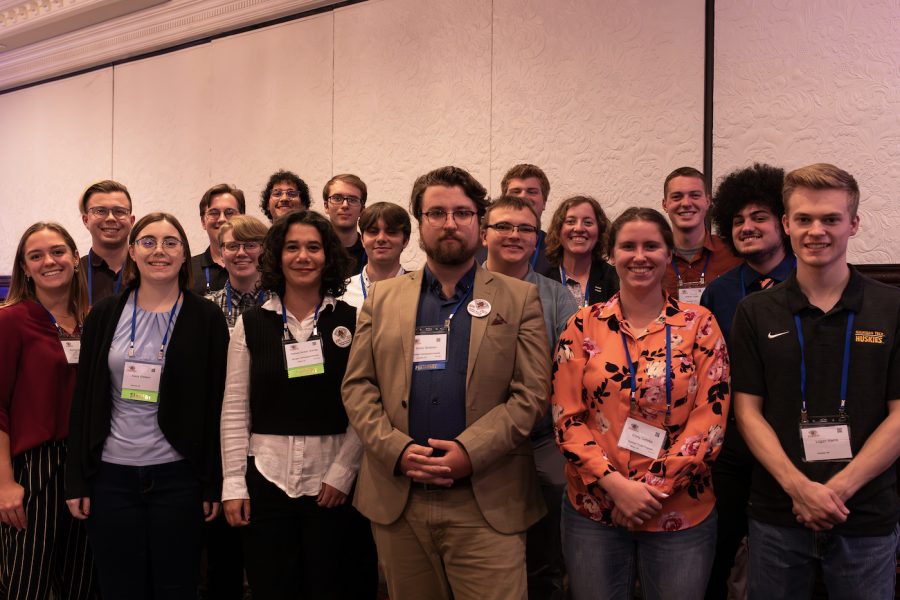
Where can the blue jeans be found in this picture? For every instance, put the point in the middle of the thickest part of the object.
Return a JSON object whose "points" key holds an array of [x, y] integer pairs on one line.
{"points": [[145, 528], [602, 561], [783, 563]]}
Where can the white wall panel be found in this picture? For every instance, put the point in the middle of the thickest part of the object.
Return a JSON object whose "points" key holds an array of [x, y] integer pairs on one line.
{"points": [[271, 107], [57, 139], [805, 82], [412, 93], [161, 133], [606, 96]]}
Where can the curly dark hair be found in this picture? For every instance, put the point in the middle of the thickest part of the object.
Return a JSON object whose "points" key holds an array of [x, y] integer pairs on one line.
{"points": [[338, 264], [554, 249], [760, 184], [287, 177]]}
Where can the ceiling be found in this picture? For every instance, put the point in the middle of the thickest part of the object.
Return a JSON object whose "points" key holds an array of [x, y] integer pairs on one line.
{"points": [[42, 39]]}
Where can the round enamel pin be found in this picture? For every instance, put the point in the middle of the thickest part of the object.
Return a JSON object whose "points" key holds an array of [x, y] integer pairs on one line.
{"points": [[341, 336], [479, 308]]}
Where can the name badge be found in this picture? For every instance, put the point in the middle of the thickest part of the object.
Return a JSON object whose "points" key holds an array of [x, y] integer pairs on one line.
{"points": [[72, 348], [140, 380], [642, 438], [303, 359], [690, 293], [826, 439], [430, 348]]}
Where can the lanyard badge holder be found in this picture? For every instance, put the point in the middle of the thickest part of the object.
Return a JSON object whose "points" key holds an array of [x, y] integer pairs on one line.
{"points": [[430, 346], [637, 436], [691, 292], [71, 344], [302, 359], [141, 377], [826, 438]]}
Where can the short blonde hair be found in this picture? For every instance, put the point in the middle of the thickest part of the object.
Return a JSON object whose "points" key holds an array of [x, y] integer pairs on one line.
{"points": [[821, 176], [244, 228]]}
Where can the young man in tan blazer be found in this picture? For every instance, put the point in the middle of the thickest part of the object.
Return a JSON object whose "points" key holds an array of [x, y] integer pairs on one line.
{"points": [[445, 382]]}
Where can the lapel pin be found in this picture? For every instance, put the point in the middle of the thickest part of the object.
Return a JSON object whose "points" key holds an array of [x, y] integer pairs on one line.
{"points": [[479, 307]]}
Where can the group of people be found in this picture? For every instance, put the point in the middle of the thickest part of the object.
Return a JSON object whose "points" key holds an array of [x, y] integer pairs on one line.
{"points": [[531, 414]]}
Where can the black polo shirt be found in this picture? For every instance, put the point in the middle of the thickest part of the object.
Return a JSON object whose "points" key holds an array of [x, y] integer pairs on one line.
{"points": [[103, 281], [209, 276], [765, 354]]}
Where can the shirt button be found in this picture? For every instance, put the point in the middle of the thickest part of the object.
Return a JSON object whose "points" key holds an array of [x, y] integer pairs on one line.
{"points": [[434, 400]]}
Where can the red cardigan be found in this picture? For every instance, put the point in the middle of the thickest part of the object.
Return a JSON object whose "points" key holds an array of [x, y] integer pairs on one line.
{"points": [[36, 381]]}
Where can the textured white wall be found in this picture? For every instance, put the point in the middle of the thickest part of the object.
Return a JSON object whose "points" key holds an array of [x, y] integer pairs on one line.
{"points": [[804, 82]]}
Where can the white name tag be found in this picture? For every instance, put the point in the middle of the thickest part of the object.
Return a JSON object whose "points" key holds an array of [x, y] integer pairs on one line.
{"points": [[430, 348], [826, 441], [642, 438], [72, 348], [140, 380], [304, 358], [690, 294]]}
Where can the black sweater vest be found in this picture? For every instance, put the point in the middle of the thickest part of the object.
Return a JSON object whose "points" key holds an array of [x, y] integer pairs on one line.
{"points": [[308, 405]]}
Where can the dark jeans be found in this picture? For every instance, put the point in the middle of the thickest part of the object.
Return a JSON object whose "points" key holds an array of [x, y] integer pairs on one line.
{"points": [[295, 549], [543, 545], [146, 527]]}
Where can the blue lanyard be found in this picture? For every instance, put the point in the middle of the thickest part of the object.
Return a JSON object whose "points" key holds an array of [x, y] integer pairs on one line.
{"points": [[702, 273], [259, 298], [633, 370], [458, 304], [845, 366], [90, 277], [565, 279], [287, 332], [206, 274], [59, 329], [162, 347], [362, 284], [537, 251]]}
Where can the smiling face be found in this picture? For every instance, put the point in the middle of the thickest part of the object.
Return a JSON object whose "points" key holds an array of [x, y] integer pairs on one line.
{"points": [[285, 197], [108, 231], [579, 232], [48, 261], [158, 264], [640, 256], [241, 262], [756, 232], [820, 226], [686, 203], [303, 257], [221, 208], [383, 246], [515, 248]]}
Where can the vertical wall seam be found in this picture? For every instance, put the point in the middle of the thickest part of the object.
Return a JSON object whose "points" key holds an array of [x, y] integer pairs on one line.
{"points": [[708, 88], [491, 104], [112, 126]]}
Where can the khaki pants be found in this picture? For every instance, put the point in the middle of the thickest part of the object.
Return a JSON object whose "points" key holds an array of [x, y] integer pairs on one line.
{"points": [[442, 543]]}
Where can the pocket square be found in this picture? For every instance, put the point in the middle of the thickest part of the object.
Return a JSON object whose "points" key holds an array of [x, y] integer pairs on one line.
{"points": [[498, 320]]}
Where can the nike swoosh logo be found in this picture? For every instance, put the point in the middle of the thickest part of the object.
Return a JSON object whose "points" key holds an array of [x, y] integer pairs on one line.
{"points": [[772, 336]]}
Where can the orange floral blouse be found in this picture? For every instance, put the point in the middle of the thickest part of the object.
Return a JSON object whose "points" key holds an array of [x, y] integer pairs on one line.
{"points": [[591, 395]]}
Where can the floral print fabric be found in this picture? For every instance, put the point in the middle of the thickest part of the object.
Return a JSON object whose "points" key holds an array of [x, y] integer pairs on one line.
{"points": [[591, 394]]}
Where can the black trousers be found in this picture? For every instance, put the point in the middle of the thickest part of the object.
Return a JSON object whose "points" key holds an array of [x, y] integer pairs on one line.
{"points": [[52, 552], [295, 549]]}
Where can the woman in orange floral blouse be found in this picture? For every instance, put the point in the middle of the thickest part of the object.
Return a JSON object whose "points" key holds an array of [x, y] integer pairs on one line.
{"points": [[640, 399]]}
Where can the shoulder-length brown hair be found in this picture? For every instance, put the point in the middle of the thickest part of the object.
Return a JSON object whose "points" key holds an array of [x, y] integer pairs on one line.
{"points": [[554, 249], [132, 276], [22, 288]]}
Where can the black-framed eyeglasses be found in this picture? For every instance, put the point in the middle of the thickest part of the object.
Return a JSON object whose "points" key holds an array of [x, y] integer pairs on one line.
{"points": [[504, 228], [148, 242], [438, 216], [339, 199], [234, 247], [101, 212], [292, 194], [213, 214]]}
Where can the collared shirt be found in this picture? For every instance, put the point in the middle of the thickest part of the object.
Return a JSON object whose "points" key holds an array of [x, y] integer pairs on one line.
{"points": [[721, 260], [592, 400], [358, 254], [437, 399], [354, 295], [297, 464], [766, 354], [603, 283], [202, 264], [723, 294], [240, 301], [103, 278]]}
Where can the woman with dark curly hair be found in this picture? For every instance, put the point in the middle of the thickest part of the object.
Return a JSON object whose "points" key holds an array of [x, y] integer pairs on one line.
{"points": [[287, 449], [575, 248]]}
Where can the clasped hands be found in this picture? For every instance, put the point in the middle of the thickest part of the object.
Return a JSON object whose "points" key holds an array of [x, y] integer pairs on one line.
{"points": [[419, 464]]}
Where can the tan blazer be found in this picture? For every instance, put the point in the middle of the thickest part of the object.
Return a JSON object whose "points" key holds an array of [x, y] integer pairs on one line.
{"points": [[507, 384]]}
